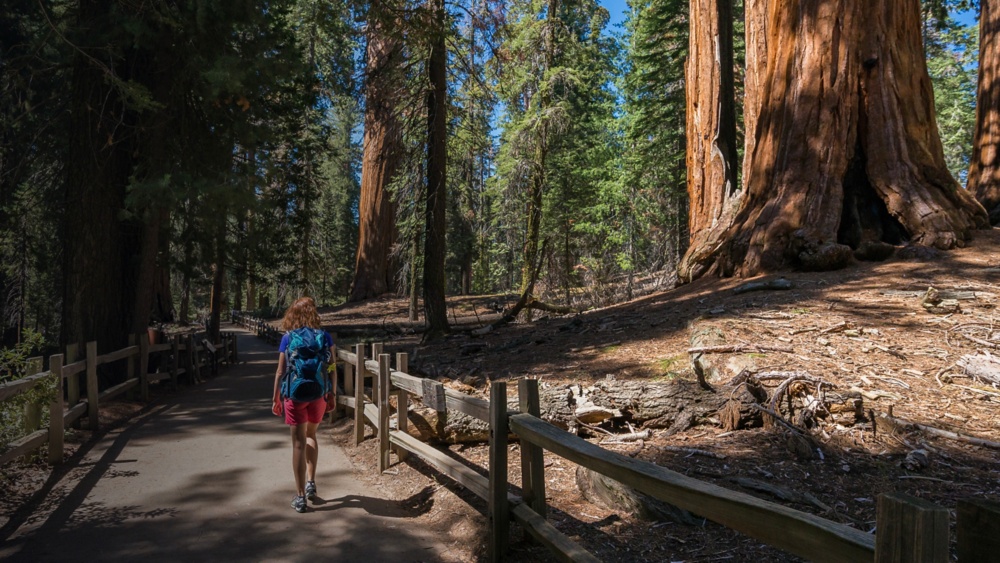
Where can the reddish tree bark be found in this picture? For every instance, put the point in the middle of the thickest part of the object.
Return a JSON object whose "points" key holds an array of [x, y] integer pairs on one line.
{"points": [[984, 172], [847, 150], [711, 116], [373, 271], [755, 18]]}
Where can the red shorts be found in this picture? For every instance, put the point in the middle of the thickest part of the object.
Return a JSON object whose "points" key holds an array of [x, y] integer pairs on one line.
{"points": [[301, 412]]}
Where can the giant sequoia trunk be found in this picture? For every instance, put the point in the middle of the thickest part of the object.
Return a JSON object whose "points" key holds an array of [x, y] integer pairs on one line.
{"points": [[711, 117], [847, 150], [755, 18], [984, 174], [373, 271], [98, 250]]}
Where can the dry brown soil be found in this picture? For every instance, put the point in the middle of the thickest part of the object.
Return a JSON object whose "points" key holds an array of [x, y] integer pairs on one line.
{"points": [[882, 341]]}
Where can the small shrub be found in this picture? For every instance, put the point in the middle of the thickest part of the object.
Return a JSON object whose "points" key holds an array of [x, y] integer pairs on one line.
{"points": [[14, 365]]}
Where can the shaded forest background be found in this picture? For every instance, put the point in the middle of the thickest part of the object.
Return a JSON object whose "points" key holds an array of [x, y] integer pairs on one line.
{"points": [[167, 161]]}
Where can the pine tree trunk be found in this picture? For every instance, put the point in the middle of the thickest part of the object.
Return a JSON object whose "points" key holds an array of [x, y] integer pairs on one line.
{"points": [[435, 309], [534, 228], [536, 185], [847, 150], [984, 173], [251, 277], [251, 294], [464, 213], [238, 290], [305, 273], [414, 312], [185, 308], [373, 271], [711, 121], [163, 309], [218, 281]]}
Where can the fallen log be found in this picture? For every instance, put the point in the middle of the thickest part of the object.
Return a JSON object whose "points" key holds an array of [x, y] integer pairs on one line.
{"points": [[942, 294], [934, 302], [673, 406], [903, 423], [691, 451], [550, 308], [753, 348], [777, 284], [983, 367], [739, 410]]}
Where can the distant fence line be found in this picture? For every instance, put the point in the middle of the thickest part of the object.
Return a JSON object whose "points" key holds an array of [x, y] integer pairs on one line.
{"points": [[182, 354], [261, 327], [908, 528]]}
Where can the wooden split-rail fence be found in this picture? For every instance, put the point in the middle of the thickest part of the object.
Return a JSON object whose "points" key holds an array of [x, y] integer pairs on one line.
{"points": [[908, 528], [181, 355], [261, 327]]}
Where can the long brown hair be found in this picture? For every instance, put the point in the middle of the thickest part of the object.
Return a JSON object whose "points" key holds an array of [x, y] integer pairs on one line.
{"points": [[301, 313]]}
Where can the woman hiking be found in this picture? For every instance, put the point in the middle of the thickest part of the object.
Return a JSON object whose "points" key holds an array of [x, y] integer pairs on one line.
{"points": [[301, 386]]}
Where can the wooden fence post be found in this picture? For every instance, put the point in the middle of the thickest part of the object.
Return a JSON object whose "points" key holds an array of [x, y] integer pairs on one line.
{"points": [[359, 394], [349, 381], [73, 383], [236, 349], [144, 366], [499, 518], [532, 456], [193, 369], [402, 405], [197, 358], [32, 410], [376, 352], [130, 370], [402, 362], [334, 376], [175, 350], [910, 529], [56, 421], [978, 530], [383, 412], [92, 391]]}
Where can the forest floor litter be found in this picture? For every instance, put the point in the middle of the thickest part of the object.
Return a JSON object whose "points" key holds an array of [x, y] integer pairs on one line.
{"points": [[920, 364], [883, 376]]}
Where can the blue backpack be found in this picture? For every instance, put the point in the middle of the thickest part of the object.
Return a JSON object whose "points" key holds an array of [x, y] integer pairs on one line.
{"points": [[307, 356]]}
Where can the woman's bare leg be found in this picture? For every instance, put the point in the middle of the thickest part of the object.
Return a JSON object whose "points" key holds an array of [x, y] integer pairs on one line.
{"points": [[299, 455], [312, 449]]}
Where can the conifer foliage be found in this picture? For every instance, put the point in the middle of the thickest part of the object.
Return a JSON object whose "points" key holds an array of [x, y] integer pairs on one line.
{"points": [[169, 161]]}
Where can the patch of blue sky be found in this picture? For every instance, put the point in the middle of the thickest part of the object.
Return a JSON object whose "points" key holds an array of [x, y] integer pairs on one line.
{"points": [[967, 17], [618, 10]]}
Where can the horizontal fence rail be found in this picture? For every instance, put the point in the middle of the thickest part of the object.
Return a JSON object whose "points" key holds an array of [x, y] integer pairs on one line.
{"points": [[261, 327], [908, 528], [182, 355]]}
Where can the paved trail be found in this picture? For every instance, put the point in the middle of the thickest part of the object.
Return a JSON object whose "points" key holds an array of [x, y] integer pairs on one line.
{"points": [[206, 475]]}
